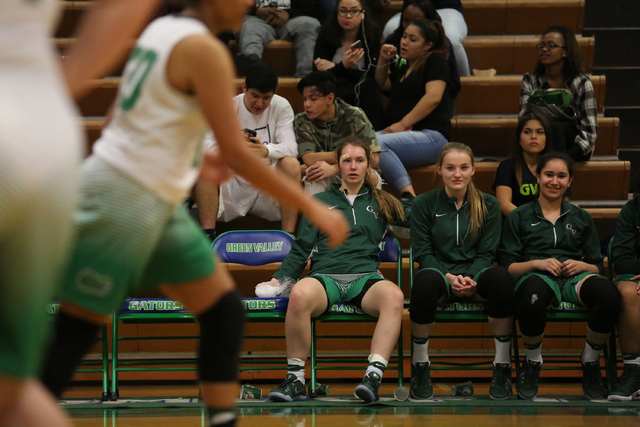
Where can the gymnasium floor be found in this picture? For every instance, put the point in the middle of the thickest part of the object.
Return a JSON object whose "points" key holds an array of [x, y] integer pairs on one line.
{"points": [[558, 404]]}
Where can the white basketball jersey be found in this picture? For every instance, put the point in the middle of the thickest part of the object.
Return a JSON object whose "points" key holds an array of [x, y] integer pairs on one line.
{"points": [[156, 134]]}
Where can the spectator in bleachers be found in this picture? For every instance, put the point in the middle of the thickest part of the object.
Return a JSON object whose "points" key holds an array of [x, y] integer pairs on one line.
{"points": [[348, 273], [133, 231], [353, 66], [452, 18], [270, 116], [455, 233], [293, 20], [515, 183], [41, 145], [626, 261], [326, 120], [574, 121], [418, 116], [424, 9], [552, 251]]}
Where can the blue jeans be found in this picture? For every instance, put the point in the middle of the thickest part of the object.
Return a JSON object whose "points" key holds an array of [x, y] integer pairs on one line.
{"points": [[409, 149]]}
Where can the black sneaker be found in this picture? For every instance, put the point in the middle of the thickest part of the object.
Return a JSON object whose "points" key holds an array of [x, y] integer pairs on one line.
{"points": [[629, 387], [592, 381], [290, 390], [500, 388], [421, 385], [527, 384], [367, 390]]}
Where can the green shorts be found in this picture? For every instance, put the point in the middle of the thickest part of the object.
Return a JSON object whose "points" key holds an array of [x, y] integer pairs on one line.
{"points": [[339, 290], [625, 278], [564, 288], [129, 240]]}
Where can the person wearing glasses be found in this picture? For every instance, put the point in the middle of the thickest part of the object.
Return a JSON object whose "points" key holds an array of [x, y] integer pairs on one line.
{"points": [[326, 120], [347, 47], [560, 66], [293, 20]]}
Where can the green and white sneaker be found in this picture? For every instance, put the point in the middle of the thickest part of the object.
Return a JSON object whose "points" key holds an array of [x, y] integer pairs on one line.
{"points": [[500, 388], [368, 388], [592, 381], [290, 390], [629, 387], [421, 385], [527, 384]]}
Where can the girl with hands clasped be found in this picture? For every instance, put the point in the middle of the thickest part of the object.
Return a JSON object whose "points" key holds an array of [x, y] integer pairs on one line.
{"points": [[347, 47], [418, 116], [454, 236], [551, 249]]}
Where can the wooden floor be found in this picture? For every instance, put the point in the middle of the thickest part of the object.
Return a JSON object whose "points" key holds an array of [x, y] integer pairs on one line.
{"points": [[360, 415]]}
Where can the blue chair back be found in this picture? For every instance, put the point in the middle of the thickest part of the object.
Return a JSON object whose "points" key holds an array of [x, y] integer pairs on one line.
{"points": [[253, 248], [390, 249]]}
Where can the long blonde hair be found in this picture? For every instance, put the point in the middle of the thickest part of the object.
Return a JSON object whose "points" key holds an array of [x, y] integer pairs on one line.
{"points": [[475, 198], [390, 207]]}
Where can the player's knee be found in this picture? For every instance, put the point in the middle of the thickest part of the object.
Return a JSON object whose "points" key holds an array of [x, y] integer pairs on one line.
{"points": [[221, 332]]}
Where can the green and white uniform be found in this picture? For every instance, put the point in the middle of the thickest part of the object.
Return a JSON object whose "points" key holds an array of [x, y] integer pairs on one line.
{"points": [[626, 245], [439, 234], [40, 152], [355, 259], [134, 232], [527, 235]]}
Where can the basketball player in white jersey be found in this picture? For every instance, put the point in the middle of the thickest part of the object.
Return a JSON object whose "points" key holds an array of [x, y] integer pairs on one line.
{"points": [[134, 232], [40, 149]]}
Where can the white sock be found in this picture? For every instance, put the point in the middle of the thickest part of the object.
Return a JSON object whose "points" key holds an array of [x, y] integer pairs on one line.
{"points": [[629, 359], [534, 352], [503, 349], [377, 364], [591, 352], [295, 366], [420, 350]]}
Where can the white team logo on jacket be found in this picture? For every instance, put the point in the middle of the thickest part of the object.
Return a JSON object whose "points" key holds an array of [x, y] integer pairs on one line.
{"points": [[370, 209]]}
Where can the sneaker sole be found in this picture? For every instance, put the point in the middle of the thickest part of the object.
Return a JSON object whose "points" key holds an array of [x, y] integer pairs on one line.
{"points": [[281, 397], [526, 398], [617, 398], [365, 394], [414, 396], [500, 398]]}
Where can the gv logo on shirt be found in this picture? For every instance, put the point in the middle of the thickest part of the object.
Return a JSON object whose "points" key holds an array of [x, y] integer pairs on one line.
{"points": [[529, 189], [370, 209]]}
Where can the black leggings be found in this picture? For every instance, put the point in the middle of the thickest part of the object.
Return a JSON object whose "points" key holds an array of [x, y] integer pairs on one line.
{"points": [[534, 296], [494, 286]]}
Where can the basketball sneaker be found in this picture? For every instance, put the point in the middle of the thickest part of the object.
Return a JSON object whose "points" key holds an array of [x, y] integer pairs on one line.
{"points": [[421, 385], [500, 388], [629, 387], [367, 390], [527, 384], [290, 390], [592, 381]]}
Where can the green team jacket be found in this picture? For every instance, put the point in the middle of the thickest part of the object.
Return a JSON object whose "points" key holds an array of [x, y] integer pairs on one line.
{"points": [[439, 234], [626, 245], [315, 136], [359, 252], [528, 235]]}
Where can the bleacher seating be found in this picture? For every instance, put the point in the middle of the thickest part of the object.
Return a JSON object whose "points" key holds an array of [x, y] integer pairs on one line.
{"points": [[502, 35]]}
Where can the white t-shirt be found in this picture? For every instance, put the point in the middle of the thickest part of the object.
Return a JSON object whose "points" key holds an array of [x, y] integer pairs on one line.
{"points": [[274, 127], [156, 134]]}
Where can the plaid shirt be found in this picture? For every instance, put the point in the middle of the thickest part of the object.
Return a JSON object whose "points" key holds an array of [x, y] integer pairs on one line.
{"points": [[582, 99]]}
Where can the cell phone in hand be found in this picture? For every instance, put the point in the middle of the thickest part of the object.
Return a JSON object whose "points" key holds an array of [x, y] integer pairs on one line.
{"points": [[356, 45], [250, 133]]}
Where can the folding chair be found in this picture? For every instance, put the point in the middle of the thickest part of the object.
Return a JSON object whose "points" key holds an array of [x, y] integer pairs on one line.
{"points": [[341, 313], [249, 248], [258, 248], [103, 363]]}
